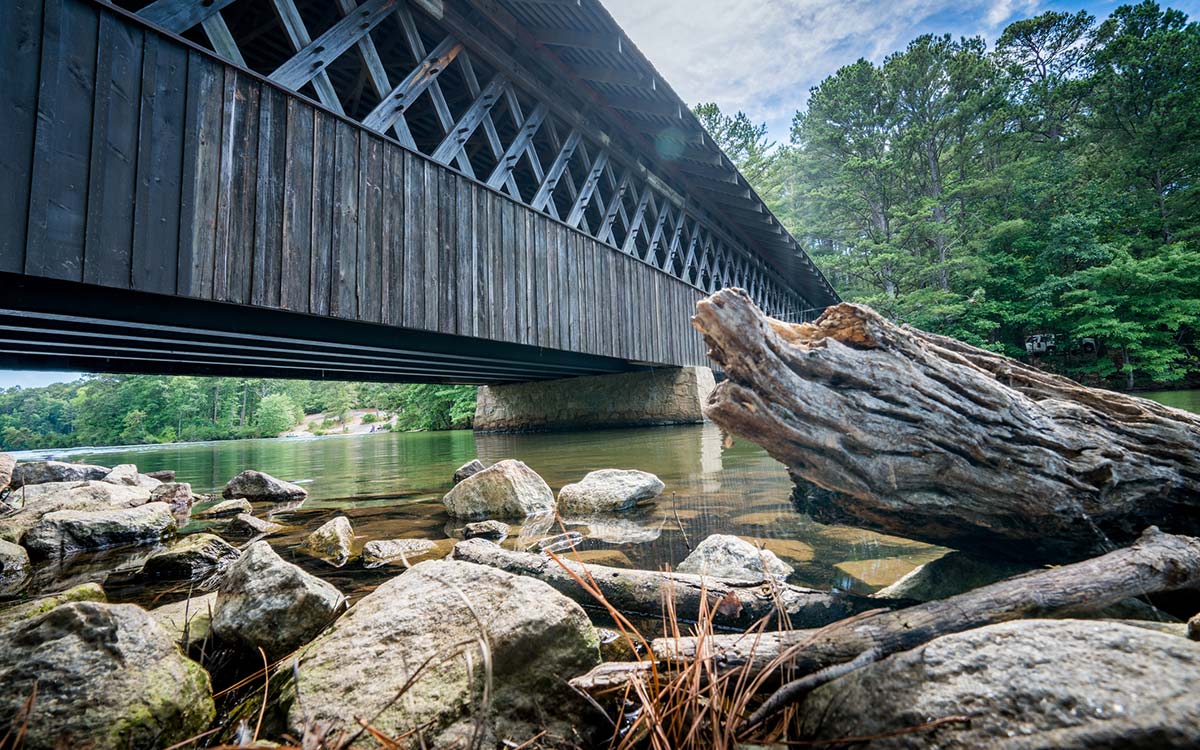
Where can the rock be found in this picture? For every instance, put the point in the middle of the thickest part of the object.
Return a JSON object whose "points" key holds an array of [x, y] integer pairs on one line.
{"points": [[166, 476], [469, 469], [40, 472], [1067, 684], [950, 574], [264, 601], [176, 494], [66, 532], [127, 474], [617, 530], [188, 621], [192, 558], [14, 567], [39, 499], [246, 525], [491, 529], [725, 556], [255, 485], [381, 552], [107, 676], [1193, 627], [608, 490], [7, 464], [868, 575], [508, 489], [227, 508], [538, 639], [331, 542], [87, 592]]}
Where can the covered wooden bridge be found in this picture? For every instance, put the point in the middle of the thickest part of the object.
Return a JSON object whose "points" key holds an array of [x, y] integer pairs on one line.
{"points": [[480, 191]]}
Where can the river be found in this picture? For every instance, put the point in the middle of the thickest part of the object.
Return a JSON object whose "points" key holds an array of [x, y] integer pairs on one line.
{"points": [[390, 485]]}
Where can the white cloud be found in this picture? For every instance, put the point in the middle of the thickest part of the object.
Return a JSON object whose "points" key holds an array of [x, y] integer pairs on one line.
{"points": [[762, 56]]}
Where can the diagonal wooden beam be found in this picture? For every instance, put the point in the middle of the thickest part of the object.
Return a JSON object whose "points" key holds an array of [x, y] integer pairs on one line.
{"points": [[318, 54], [221, 39], [376, 73], [588, 189], [657, 234], [614, 209], [177, 16], [605, 42], [489, 125], [293, 26], [503, 171], [638, 224], [462, 131], [414, 84], [555, 172]]}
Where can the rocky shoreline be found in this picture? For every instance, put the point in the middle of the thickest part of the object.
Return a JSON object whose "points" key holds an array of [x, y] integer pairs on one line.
{"points": [[487, 645]]}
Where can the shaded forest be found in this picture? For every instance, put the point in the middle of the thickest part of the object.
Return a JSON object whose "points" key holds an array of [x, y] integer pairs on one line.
{"points": [[1045, 184]]}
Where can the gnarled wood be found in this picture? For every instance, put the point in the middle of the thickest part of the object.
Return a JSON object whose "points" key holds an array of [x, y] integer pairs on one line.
{"points": [[734, 604], [939, 441]]}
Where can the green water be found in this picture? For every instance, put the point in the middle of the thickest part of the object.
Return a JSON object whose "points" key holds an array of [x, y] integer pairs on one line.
{"points": [[390, 485], [1186, 400]]}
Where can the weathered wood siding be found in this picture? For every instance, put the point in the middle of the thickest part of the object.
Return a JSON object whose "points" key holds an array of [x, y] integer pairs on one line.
{"points": [[133, 161]]}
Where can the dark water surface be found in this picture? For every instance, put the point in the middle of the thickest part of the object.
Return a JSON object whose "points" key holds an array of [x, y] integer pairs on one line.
{"points": [[390, 485]]}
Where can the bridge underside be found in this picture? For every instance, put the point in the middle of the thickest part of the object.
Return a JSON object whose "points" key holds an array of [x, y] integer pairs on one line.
{"points": [[58, 325]]}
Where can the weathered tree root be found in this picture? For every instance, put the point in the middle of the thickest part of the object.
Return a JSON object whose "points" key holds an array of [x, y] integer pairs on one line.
{"points": [[936, 440]]}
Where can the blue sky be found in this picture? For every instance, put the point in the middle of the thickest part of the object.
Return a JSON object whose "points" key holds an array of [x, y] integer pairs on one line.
{"points": [[762, 56]]}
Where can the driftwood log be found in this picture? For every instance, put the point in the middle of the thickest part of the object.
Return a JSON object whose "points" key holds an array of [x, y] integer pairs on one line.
{"points": [[929, 438], [733, 604]]}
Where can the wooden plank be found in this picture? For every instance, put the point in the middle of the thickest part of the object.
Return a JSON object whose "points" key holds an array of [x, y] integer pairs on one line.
{"points": [[431, 245], [325, 169], [62, 141], [465, 252], [541, 261], [201, 176], [112, 174], [20, 49], [520, 275], [414, 238], [159, 166], [235, 209], [344, 298], [550, 290], [318, 54], [447, 253], [370, 229], [177, 16], [295, 265], [393, 235]]}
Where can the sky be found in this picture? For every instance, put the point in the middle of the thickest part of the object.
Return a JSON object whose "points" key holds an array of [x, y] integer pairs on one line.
{"points": [[763, 56]]}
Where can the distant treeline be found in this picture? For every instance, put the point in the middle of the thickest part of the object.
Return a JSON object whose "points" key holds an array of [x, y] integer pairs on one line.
{"points": [[1049, 184], [136, 409]]}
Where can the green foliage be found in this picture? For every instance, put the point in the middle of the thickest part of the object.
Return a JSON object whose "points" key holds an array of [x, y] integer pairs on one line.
{"points": [[1051, 184], [432, 407], [277, 413]]}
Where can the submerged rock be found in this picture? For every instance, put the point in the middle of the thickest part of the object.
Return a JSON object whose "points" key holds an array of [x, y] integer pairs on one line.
{"points": [[176, 494], [264, 601], [383, 551], [35, 501], [27, 610], [257, 485], [440, 611], [491, 529], [227, 509], [107, 676], [192, 558], [332, 541], [40, 472], [949, 575], [127, 474], [67, 532], [617, 530], [165, 476], [14, 567], [508, 489], [725, 556], [1065, 684], [469, 469], [246, 525], [189, 621], [608, 490]]}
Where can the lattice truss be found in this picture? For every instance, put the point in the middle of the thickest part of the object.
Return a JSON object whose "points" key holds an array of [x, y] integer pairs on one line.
{"points": [[390, 67]]}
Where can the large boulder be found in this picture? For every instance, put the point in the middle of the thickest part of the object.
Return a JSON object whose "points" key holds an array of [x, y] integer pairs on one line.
{"points": [[1066, 684], [949, 575], [14, 567], [106, 675], [176, 494], [11, 614], [40, 472], [192, 558], [35, 501], [507, 489], [382, 551], [67, 532], [257, 485], [441, 611], [332, 541], [7, 464], [469, 469], [725, 556], [608, 490], [265, 601], [127, 474], [227, 509], [245, 525]]}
